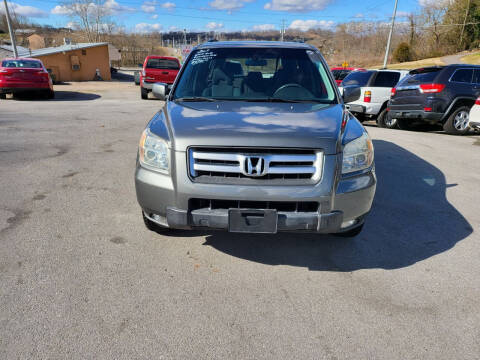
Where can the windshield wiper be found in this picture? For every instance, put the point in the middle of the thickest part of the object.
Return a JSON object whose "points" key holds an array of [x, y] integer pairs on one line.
{"points": [[194, 98], [280, 100]]}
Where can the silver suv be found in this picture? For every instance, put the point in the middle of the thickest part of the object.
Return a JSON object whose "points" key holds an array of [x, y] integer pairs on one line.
{"points": [[255, 138]]}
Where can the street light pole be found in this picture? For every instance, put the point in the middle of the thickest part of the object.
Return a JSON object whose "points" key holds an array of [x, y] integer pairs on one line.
{"points": [[390, 36], [10, 30]]}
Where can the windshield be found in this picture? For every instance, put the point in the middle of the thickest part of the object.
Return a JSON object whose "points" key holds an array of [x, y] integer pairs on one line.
{"points": [[162, 64], [359, 78], [256, 74], [422, 75], [30, 64]]}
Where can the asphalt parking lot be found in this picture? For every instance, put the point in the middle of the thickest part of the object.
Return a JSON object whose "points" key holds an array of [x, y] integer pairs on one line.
{"points": [[82, 278]]}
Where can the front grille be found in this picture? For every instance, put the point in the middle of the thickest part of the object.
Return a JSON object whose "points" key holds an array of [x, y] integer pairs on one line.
{"points": [[281, 206], [255, 165]]}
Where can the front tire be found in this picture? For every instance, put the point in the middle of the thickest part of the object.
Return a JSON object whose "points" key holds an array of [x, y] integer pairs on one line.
{"points": [[385, 121], [144, 93], [350, 233], [457, 122]]}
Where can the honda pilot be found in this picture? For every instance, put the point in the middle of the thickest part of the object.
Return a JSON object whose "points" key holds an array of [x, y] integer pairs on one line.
{"points": [[254, 138]]}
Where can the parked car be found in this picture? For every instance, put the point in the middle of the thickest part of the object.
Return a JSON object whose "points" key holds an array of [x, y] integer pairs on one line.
{"points": [[437, 95], [375, 89], [25, 75], [339, 73], [474, 117], [162, 69], [245, 144]]}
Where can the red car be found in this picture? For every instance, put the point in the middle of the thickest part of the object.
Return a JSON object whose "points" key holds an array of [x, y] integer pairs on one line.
{"points": [[339, 73], [162, 69], [25, 75]]}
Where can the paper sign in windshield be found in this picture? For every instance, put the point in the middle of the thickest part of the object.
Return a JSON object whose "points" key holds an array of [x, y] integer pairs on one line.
{"points": [[203, 56]]}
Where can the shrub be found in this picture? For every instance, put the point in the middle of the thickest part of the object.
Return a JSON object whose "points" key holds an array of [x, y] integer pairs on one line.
{"points": [[403, 53]]}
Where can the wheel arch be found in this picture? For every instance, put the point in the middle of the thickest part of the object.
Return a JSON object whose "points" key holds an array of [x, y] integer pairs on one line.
{"points": [[456, 103]]}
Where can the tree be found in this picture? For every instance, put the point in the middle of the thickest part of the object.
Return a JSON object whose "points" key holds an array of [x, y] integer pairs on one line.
{"points": [[402, 53], [91, 16]]}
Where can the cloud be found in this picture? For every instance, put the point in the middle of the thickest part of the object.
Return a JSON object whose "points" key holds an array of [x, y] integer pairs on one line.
{"points": [[168, 6], [212, 26], [263, 27], [110, 7], [434, 3], [114, 8], [148, 8], [146, 28], [229, 5], [296, 5], [305, 25], [72, 25], [359, 16], [23, 10], [403, 14], [61, 10], [154, 17], [173, 28]]}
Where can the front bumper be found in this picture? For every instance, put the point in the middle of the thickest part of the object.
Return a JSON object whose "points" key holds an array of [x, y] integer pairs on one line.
{"points": [[343, 204], [474, 124]]}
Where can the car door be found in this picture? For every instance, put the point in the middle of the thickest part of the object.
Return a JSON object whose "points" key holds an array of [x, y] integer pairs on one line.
{"points": [[476, 83], [462, 79]]}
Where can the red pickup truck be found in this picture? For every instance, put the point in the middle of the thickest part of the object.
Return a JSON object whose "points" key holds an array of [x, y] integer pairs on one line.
{"points": [[157, 69]]}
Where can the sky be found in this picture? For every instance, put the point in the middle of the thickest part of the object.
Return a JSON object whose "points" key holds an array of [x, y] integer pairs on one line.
{"points": [[224, 15]]}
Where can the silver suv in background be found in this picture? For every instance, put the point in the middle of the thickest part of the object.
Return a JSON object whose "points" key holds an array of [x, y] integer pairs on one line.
{"points": [[375, 90], [254, 138]]}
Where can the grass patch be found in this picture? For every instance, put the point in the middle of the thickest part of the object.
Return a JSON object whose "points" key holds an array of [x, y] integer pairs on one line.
{"points": [[414, 64], [472, 59]]}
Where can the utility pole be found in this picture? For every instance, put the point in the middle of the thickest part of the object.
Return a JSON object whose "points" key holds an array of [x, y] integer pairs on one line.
{"points": [[464, 22], [282, 31], [10, 30], [390, 36]]}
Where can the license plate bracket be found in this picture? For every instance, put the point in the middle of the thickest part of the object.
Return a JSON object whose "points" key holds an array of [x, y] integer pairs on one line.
{"points": [[263, 221]]}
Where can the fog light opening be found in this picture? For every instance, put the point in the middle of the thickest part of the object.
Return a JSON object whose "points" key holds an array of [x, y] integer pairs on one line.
{"points": [[162, 220], [349, 223]]}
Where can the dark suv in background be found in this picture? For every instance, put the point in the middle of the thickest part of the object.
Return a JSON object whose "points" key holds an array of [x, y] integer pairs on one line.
{"points": [[437, 95]]}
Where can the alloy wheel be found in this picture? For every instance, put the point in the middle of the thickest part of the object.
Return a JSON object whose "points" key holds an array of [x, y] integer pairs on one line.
{"points": [[461, 120]]}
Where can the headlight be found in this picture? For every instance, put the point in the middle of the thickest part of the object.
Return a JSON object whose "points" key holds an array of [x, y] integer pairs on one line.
{"points": [[153, 152], [357, 154]]}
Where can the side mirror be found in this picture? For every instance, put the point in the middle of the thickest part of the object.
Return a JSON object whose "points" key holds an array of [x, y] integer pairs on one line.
{"points": [[351, 93], [160, 90]]}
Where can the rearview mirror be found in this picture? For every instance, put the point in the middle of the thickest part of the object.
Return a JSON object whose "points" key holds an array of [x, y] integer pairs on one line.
{"points": [[351, 93], [160, 90], [256, 62]]}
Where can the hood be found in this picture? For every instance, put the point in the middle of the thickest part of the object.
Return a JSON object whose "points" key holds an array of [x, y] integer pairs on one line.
{"points": [[233, 123]]}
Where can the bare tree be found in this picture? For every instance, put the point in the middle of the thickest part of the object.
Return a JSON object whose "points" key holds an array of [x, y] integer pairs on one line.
{"points": [[91, 16]]}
